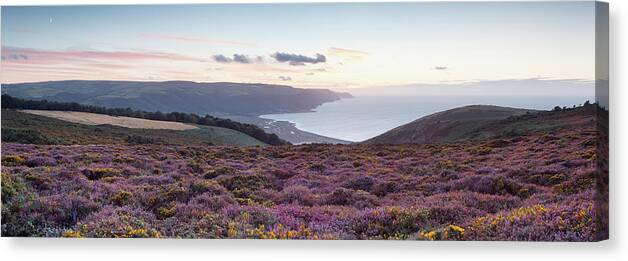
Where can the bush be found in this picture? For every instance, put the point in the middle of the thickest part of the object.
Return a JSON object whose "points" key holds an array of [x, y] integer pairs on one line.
{"points": [[122, 197], [13, 160], [219, 171], [361, 183], [137, 140], [252, 182], [98, 173], [297, 194]]}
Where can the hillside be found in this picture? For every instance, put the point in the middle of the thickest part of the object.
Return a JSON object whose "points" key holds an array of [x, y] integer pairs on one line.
{"points": [[9, 102], [541, 186], [451, 125], [179, 96], [21, 127]]}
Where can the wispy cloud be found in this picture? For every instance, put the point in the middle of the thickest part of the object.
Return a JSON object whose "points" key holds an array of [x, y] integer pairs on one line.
{"points": [[186, 39], [285, 78], [298, 59], [347, 53], [440, 68], [40, 56]]}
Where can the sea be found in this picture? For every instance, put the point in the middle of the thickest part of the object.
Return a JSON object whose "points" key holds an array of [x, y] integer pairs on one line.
{"points": [[366, 116]]}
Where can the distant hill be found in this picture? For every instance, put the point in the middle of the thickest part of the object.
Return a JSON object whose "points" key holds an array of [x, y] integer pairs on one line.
{"points": [[220, 98], [27, 128], [446, 126]]}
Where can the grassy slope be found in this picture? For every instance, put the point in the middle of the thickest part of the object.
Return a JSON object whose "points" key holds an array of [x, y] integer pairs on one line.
{"points": [[447, 126], [61, 132]]}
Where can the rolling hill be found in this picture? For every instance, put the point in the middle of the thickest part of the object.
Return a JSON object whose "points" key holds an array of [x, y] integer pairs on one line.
{"points": [[446, 126], [481, 122], [28, 128], [220, 98]]}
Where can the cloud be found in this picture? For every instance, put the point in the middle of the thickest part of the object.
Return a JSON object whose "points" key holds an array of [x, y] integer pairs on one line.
{"points": [[297, 59], [440, 68], [236, 58], [240, 58], [221, 58], [285, 78], [347, 53], [41, 56], [14, 57], [185, 39]]}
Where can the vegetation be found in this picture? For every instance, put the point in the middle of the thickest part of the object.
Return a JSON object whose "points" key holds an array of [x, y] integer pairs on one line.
{"points": [[548, 191], [478, 122], [9, 102], [26, 128]]}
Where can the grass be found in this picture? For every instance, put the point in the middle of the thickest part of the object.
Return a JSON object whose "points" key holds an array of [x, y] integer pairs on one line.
{"points": [[27, 128]]}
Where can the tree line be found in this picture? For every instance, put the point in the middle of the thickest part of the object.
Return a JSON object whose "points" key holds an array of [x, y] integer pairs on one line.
{"points": [[9, 102]]}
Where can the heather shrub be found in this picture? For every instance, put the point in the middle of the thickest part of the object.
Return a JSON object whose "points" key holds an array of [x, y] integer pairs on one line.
{"points": [[98, 173], [297, 194], [487, 184], [211, 202], [381, 189], [206, 186], [579, 182], [116, 223], [360, 183], [38, 179], [40, 161], [219, 171], [348, 197], [64, 210]]}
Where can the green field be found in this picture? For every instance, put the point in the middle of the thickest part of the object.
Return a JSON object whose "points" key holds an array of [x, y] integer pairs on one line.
{"points": [[28, 128]]}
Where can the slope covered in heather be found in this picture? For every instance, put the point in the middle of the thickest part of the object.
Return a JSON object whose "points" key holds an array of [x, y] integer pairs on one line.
{"points": [[541, 185]]}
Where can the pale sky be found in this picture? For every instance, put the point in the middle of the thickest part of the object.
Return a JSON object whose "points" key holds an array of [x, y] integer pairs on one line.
{"points": [[303, 45]]}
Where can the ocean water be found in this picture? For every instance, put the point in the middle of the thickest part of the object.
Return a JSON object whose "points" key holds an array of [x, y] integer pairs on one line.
{"points": [[366, 116]]}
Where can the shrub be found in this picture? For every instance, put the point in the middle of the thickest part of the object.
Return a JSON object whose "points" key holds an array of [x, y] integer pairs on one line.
{"points": [[166, 212], [348, 197], [137, 140], [360, 183], [122, 197], [40, 161], [98, 173], [252, 182], [219, 171], [13, 160], [297, 194]]}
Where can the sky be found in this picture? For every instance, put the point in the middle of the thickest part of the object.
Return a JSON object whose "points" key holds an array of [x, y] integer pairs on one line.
{"points": [[338, 46]]}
